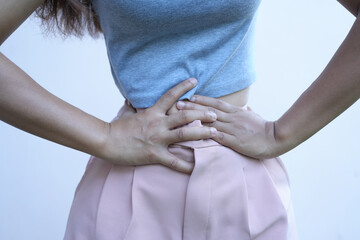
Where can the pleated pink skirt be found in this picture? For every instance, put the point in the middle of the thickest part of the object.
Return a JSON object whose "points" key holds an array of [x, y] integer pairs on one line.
{"points": [[228, 196]]}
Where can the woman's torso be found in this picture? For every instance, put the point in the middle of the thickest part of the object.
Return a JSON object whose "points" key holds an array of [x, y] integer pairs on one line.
{"points": [[154, 45]]}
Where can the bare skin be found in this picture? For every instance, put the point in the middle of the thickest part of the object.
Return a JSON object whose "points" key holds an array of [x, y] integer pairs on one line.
{"points": [[337, 88], [239, 98], [26, 105], [133, 139]]}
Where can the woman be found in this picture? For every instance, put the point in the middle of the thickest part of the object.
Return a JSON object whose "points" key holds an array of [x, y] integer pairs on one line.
{"points": [[226, 117]]}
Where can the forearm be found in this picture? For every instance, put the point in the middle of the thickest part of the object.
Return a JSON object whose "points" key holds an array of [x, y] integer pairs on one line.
{"points": [[26, 105], [337, 88]]}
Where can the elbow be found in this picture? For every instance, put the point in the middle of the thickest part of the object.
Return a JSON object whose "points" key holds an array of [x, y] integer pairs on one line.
{"points": [[353, 6], [356, 10], [1, 41], [3, 36]]}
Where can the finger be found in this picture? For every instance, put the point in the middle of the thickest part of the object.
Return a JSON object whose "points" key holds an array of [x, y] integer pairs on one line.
{"points": [[173, 109], [221, 126], [215, 103], [190, 133], [225, 139], [182, 105], [186, 116], [175, 163], [172, 95]]}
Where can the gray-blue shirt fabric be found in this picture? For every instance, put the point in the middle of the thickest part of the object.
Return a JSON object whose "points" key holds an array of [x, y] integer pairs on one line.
{"points": [[153, 45]]}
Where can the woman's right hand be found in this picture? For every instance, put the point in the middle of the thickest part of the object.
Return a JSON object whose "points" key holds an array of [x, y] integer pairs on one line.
{"points": [[138, 138]]}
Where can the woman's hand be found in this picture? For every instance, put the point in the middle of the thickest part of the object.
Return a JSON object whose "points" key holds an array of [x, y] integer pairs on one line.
{"points": [[237, 128], [138, 138]]}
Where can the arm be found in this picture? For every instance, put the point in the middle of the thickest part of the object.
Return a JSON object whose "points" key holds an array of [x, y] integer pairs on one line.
{"points": [[337, 88], [132, 139], [13, 13], [26, 105]]}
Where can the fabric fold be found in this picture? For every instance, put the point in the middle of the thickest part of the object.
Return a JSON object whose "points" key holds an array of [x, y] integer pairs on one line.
{"points": [[227, 196]]}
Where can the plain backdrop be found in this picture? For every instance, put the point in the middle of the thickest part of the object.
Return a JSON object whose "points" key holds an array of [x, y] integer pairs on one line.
{"points": [[295, 41]]}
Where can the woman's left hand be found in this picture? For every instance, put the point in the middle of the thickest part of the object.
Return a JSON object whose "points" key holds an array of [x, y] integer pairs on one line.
{"points": [[238, 128]]}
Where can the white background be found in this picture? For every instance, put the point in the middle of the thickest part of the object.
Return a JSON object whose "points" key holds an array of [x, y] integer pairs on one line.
{"points": [[295, 41]]}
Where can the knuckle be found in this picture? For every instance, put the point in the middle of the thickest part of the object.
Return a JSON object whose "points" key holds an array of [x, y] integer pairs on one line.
{"points": [[242, 142], [170, 94], [188, 84], [180, 134], [191, 105], [211, 109], [221, 136], [205, 114], [150, 156], [210, 115], [219, 103], [174, 163], [155, 138], [183, 115], [154, 123]]}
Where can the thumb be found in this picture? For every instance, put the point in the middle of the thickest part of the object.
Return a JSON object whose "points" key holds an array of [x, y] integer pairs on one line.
{"points": [[175, 163]]}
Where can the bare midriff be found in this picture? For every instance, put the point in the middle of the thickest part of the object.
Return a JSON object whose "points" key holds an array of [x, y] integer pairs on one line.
{"points": [[238, 98]]}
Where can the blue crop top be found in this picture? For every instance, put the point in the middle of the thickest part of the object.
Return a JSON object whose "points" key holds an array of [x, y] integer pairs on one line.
{"points": [[153, 45]]}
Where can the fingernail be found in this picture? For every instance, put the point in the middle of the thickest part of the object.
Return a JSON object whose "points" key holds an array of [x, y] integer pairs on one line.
{"points": [[180, 104], [193, 99], [212, 115], [213, 131], [193, 81]]}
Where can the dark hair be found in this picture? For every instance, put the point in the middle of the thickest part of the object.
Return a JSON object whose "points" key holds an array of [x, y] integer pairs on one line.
{"points": [[69, 17]]}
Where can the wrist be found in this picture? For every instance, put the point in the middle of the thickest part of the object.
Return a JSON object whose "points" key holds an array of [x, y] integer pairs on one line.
{"points": [[102, 142], [283, 139], [272, 143]]}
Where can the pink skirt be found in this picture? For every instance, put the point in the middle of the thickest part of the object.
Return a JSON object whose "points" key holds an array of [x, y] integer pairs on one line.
{"points": [[228, 196]]}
